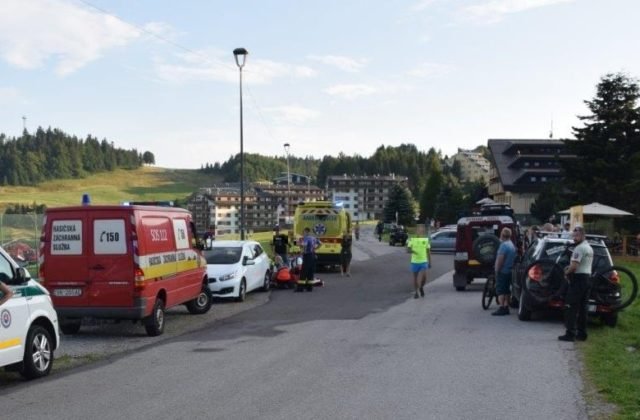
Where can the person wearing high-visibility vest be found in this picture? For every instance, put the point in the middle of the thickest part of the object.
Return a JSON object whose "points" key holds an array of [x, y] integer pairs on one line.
{"points": [[420, 249]]}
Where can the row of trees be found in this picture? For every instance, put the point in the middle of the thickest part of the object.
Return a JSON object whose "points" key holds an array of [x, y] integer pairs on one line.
{"points": [[261, 168], [440, 193], [53, 154]]}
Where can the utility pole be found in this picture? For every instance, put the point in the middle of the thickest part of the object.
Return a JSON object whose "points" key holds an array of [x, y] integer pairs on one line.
{"points": [[24, 123]]}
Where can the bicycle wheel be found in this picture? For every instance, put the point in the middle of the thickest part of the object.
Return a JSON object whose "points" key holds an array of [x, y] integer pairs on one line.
{"points": [[616, 287], [488, 292]]}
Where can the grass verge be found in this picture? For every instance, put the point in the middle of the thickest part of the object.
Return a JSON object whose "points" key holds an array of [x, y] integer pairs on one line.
{"points": [[612, 359]]}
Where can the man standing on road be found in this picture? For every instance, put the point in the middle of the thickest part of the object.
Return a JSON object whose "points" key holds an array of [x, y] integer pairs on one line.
{"points": [[309, 246], [420, 250], [504, 263], [578, 274], [280, 245], [379, 230]]}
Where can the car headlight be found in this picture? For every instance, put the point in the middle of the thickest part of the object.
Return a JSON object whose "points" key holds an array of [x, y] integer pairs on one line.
{"points": [[228, 276]]}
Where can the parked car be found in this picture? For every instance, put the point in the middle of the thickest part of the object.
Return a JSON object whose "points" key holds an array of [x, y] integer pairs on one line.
{"points": [[236, 268], [538, 277], [477, 242], [122, 262], [398, 235], [443, 241], [28, 323]]}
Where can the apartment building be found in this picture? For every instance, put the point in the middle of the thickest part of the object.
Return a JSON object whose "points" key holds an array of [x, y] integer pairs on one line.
{"points": [[290, 196], [217, 209], [473, 165], [362, 196], [519, 170]]}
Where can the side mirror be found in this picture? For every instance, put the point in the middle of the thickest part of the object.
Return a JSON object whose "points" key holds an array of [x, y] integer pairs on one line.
{"points": [[21, 275], [247, 261]]}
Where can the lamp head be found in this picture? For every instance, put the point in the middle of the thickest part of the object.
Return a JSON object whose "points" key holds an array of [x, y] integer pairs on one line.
{"points": [[240, 55], [286, 147]]}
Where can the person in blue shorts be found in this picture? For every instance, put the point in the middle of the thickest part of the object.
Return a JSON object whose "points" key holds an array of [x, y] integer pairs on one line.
{"points": [[420, 250], [504, 264]]}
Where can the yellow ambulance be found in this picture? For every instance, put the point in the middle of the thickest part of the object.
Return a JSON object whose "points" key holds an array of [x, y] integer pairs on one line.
{"points": [[328, 222]]}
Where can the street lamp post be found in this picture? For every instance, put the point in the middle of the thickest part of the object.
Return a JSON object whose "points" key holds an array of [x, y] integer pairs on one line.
{"points": [[240, 54], [288, 214]]}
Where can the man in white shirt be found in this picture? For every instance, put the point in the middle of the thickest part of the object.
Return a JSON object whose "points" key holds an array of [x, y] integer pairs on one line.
{"points": [[578, 275]]}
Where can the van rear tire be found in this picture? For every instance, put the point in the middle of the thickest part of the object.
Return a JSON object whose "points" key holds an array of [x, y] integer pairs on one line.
{"points": [[202, 303], [70, 327], [154, 323]]}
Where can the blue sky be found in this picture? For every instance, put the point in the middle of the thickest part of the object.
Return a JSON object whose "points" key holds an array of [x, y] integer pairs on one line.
{"points": [[325, 76]]}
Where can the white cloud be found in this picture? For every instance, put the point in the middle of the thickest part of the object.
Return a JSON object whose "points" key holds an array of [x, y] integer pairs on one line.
{"points": [[422, 5], [162, 30], [348, 64], [209, 65], [292, 114], [351, 91], [428, 70], [37, 31], [493, 11]]}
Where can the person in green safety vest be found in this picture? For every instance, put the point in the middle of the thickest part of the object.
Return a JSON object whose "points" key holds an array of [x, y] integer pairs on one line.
{"points": [[420, 249]]}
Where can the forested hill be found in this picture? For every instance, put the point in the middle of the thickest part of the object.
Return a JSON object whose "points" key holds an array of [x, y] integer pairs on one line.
{"points": [[53, 154], [405, 160]]}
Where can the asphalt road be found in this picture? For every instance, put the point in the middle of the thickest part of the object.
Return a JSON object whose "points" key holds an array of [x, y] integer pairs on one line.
{"points": [[359, 348]]}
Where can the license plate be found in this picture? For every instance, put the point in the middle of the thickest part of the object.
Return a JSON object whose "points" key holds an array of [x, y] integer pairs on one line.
{"points": [[592, 308], [67, 292]]}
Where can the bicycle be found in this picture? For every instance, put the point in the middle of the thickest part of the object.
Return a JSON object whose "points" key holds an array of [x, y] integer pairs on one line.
{"points": [[489, 292], [615, 287]]}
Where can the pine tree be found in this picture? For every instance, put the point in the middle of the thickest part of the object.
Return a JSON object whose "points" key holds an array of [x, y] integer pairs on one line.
{"points": [[399, 202], [606, 167]]}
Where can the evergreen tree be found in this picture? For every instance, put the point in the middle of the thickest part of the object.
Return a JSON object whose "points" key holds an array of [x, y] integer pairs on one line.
{"points": [[430, 195], [148, 158], [550, 201], [400, 202], [606, 167]]}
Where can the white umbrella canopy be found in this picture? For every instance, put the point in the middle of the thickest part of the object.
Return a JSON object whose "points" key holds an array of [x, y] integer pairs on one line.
{"points": [[597, 209]]}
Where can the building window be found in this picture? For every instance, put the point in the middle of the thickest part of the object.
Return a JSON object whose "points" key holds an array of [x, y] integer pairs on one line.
{"points": [[533, 179]]}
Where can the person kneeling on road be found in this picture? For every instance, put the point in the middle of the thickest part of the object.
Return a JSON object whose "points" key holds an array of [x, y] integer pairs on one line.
{"points": [[420, 250], [504, 263]]}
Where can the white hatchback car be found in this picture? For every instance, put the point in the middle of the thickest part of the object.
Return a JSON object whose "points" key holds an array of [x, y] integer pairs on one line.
{"points": [[235, 268], [28, 323]]}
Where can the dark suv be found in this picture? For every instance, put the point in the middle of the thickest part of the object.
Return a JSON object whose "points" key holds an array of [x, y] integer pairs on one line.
{"points": [[477, 242], [538, 278], [397, 235]]}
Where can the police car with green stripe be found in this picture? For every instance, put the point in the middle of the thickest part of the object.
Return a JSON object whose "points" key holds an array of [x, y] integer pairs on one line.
{"points": [[28, 323]]}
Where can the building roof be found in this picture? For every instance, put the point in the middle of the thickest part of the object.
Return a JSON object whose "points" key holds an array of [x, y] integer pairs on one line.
{"points": [[507, 153]]}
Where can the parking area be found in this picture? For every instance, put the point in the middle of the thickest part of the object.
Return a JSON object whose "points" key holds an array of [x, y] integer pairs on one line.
{"points": [[106, 338]]}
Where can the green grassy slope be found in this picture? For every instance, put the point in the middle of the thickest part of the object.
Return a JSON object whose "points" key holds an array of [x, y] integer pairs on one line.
{"points": [[143, 184]]}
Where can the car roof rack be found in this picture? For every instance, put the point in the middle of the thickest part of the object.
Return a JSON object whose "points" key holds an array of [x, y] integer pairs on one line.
{"points": [[558, 235]]}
